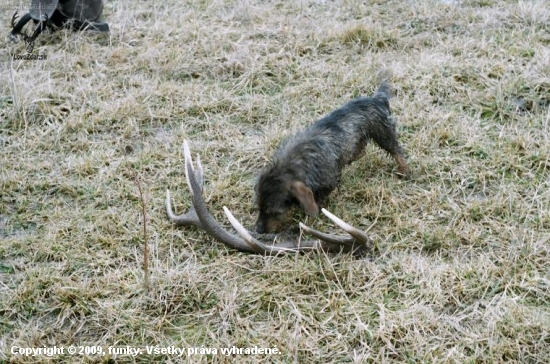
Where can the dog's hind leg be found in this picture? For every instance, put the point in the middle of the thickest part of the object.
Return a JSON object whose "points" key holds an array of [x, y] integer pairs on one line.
{"points": [[387, 140]]}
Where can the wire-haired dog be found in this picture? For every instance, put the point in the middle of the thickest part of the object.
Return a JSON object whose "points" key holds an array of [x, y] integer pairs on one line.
{"points": [[307, 166]]}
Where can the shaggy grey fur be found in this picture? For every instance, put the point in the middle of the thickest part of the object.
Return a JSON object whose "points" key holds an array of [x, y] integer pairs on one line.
{"points": [[307, 166]]}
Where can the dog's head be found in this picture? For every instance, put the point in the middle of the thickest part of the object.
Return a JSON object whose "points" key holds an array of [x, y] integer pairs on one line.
{"points": [[276, 194]]}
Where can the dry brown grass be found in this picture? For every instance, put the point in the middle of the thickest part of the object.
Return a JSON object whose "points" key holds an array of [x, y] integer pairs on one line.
{"points": [[460, 271]]}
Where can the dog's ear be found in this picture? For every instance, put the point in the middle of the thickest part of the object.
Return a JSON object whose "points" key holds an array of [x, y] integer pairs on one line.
{"points": [[304, 194]]}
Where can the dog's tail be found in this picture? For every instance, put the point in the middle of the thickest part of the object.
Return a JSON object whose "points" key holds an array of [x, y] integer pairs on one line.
{"points": [[385, 90]]}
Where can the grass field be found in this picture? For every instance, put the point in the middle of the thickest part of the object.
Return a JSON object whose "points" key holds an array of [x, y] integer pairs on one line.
{"points": [[460, 268]]}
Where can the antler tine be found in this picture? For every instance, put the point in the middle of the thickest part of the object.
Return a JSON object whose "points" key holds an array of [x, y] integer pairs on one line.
{"points": [[199, 171], [190, 218], [359, 235], [328, 238], [326, 242], [188, 165]]}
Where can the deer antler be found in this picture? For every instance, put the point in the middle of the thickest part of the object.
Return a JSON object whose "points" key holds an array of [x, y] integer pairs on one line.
{"points": [[199, 216], [14, 18]]}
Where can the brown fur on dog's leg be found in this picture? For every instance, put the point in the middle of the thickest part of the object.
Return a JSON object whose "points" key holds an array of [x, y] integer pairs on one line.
{"points": [[403, 170]]}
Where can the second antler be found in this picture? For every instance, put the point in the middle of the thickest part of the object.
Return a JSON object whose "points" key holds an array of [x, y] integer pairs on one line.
{"points": [[200, 217]]}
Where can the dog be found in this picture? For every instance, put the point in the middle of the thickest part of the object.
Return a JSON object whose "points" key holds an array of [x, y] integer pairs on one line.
{"points": [[307, 166]]}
